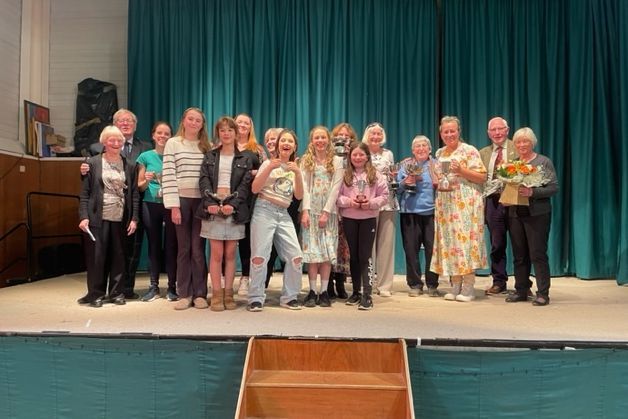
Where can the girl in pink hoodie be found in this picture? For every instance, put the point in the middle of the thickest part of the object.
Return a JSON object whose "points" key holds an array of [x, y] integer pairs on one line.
{"points": [[362, 193]]}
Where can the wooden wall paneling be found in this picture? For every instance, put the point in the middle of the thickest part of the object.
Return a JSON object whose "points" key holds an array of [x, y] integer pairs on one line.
{"points": [[14, 185]]}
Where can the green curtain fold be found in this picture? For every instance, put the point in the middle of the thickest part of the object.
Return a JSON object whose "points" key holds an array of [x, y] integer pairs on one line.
{"points": [[557, 66]]}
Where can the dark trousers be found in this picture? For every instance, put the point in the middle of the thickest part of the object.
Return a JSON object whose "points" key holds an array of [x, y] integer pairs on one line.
{"points": [[496, 217], [418, 229], [162, 253], [191, 262], [360, 238], [529, 236], [133, 252], [105, 259]]}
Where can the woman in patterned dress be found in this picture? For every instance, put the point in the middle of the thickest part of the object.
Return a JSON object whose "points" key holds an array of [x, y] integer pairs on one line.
{"points": [[459, 233], [322, 175]]}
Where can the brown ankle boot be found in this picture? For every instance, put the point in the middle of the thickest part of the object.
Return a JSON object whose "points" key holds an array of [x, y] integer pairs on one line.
{"points": [[218, 300], [229, 303]]}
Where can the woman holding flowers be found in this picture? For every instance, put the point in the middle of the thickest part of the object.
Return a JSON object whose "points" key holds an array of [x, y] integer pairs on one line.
{"points": [[529, 225], [459, 217]]}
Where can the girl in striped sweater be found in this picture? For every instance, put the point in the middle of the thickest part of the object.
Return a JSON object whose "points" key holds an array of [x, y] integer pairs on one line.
{"points": [[183, 156]]}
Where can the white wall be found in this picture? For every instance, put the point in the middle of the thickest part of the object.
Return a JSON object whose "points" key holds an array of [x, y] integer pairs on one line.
{"points": [[10, 28], [88, 38], [47, 48]]}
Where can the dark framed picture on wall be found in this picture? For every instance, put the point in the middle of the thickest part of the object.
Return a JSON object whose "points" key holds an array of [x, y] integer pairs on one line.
{"points": [[34, 113]]}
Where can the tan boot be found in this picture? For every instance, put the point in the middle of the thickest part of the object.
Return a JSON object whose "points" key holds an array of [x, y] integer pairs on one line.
{"points": [[218, 300], [229, 302]]}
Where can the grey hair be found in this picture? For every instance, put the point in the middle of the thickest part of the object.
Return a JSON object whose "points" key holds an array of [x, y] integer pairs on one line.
{"points": [[365, 136], [525, 132], [121, 112], [110, 131], [496, 118], [422, 139]]}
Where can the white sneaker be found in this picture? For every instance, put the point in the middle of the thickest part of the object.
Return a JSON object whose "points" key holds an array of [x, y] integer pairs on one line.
{"points": [[385, 293], [466, 294], [243, 288], [455, 291]]}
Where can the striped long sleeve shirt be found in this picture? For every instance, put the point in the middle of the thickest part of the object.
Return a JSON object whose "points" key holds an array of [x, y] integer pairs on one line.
{"points": [[181, 171]]}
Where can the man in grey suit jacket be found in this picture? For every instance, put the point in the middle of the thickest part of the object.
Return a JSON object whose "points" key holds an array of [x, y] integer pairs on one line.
{"points": [[500, 150]]}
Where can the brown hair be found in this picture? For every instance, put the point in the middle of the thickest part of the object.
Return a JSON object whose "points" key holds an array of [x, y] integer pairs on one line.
{"points": [[203, 145], [371, 173]]}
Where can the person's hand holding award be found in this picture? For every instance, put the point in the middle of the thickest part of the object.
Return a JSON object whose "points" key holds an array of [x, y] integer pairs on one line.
{"points": [[360, 198]]}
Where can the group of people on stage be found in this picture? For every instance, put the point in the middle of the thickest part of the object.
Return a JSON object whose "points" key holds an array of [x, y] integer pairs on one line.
{"points": [[333, 209]]}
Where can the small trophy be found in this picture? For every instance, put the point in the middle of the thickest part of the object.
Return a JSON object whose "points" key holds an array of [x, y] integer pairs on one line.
{"points": [[444, 184], [392, 176], [340, 146], [361, 196], [221, 200], [160, 192], [413, 169]]}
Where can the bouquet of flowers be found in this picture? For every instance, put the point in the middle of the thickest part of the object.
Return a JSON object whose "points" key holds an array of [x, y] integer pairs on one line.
{"points": [[517, 173]]}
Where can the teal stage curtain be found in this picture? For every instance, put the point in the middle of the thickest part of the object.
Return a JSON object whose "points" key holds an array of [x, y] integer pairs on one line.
{"points": [[82, 377], [622, 145], [557, 66], [72, 377], [519, 383]]}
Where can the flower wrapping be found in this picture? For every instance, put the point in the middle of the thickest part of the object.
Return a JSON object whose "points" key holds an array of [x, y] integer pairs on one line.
{"points": [[510, 195], [517, 173]]}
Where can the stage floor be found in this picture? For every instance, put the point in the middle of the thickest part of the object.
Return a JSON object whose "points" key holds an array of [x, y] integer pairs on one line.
{"points": [[579, 311]]}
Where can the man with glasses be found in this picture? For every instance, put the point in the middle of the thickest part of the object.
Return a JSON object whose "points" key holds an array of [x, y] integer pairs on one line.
{"points": [[501, 150], [126, 121]]}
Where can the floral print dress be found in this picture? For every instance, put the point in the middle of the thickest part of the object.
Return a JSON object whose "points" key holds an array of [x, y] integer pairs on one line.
{"points": [[459, 247], [320, 245]]}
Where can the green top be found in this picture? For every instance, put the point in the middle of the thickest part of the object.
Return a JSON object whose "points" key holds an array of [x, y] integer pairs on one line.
{"points": [[152, 162]]}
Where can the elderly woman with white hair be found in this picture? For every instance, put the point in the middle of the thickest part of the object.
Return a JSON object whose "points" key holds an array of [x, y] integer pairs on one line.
{"points": [[384, 248], [109, 211], [417, 179], [529, 225]]}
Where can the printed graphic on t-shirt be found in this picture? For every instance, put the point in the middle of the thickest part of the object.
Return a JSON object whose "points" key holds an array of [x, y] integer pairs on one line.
{"points": [[284, 184]]}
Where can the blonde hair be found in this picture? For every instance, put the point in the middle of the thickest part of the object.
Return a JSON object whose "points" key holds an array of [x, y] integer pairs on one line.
{"points": [[525, 132], [308, 161], [251, 144]]}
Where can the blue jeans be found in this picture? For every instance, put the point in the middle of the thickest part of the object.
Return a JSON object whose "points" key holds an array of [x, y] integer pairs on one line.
{"points": [[271, 223]]}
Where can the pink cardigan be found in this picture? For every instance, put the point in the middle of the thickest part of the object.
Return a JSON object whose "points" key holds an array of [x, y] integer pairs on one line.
{"points": [[377, 195]]}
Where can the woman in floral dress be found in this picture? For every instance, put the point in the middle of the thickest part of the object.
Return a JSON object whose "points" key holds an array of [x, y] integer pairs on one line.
{"points": [[459, 233], [322, 175]]}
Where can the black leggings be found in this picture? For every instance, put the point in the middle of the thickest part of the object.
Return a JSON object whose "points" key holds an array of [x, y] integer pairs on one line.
{"points": [[360, 238], [161, 252]]}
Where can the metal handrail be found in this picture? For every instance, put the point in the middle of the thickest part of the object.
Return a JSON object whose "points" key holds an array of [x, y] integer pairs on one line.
{"points": [[6, 235]]}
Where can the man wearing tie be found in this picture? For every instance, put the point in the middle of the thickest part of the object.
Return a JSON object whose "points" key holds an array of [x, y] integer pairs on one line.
{"points": [[500, 151], [126, 121]]}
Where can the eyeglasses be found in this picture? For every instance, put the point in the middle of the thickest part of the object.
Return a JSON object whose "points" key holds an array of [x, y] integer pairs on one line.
{"points": [[497, 129], [125, 121]]}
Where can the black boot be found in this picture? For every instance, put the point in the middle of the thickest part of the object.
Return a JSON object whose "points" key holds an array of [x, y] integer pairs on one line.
{"points": [[330, 287], [340, 286]]}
